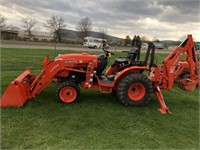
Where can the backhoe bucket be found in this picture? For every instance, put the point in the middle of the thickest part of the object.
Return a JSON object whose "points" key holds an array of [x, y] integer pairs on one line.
{"points": [[18, 92], [187, 84]]}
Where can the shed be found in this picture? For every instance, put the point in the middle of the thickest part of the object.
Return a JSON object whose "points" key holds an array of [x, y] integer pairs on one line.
{"points": [[9, 35]]}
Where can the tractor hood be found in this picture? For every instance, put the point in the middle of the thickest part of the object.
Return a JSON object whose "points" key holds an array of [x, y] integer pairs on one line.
{"points": [[78, 58]]}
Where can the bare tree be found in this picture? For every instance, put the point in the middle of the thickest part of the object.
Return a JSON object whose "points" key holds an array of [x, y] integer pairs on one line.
{"points": [[84, 27], [2, 22], [55, 24], [103, 33], [29, 25]]}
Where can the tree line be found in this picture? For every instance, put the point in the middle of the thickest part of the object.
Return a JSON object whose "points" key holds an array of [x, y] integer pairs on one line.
{"points": [[54, 25]]}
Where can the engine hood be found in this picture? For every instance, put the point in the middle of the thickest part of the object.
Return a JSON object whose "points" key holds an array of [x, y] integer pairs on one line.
{"points": [[78, 58]]}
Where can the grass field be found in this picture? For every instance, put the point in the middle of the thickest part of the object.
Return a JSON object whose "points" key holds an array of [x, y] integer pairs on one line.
{"points": [[98, 121]]}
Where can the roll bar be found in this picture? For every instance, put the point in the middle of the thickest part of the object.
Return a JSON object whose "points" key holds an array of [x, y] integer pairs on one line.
{"points": [[151, 48]]}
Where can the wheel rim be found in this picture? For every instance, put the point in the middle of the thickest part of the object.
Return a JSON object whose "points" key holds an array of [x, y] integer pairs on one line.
{"points": [[136, 91], [68, 94]]}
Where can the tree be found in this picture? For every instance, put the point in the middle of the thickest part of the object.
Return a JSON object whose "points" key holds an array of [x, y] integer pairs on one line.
{"points": [[14, 28], [55, 24], [134, 40], [127, 41], [2, 22], [155, 39], [144, 38], [103, 33], [83, 28], [29, 25]]}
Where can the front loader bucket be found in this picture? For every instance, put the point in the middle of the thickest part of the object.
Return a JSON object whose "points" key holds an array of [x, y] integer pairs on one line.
{"points": [[18, 92]]}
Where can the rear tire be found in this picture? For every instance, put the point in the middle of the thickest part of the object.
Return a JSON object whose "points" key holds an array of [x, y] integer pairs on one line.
{"points": [[134, 90], [68, 92]]}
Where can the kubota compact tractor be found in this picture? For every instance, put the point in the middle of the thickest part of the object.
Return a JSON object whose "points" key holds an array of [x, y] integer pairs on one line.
{"points": [[125, 76]]}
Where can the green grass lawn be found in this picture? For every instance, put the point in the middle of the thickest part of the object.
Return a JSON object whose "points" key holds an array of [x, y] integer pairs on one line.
{"points": [[98, 121]]}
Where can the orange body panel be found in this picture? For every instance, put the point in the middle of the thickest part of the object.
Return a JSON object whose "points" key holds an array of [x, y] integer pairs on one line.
{"points": [[78, 60]]}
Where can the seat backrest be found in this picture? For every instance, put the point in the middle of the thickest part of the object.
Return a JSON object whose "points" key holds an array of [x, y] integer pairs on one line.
{"points": [[132, 53], [102, 63]]}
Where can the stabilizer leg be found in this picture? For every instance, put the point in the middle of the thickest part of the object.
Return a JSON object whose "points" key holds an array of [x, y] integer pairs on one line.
{"points": [[163, 108]]}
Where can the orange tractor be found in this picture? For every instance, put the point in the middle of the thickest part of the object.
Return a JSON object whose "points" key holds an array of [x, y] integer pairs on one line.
{"points": [[125, 76]]}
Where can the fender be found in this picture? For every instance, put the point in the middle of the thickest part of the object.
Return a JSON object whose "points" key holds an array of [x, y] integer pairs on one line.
{"points": [[129, 70]]}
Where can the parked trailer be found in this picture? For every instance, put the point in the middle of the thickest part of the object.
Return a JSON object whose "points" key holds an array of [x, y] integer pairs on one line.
{"points": [[158, 45]]}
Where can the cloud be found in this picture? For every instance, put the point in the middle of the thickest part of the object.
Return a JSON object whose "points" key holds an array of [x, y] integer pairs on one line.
{"points": [[153, 18]]}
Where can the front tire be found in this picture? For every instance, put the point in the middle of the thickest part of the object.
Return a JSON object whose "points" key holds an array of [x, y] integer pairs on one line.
{"points": [[134, 90], [68, 92]]}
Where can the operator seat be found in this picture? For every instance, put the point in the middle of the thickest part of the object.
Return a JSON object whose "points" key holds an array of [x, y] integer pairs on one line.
{"points": [[132, 54], [130, 60]]}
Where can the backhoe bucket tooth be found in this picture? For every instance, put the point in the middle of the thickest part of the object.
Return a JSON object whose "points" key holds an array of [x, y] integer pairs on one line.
{"points": [[18, 92]]}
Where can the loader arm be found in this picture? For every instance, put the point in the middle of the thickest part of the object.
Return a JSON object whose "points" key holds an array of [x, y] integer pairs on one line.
{"points": [[46, 76]]}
